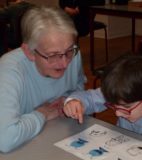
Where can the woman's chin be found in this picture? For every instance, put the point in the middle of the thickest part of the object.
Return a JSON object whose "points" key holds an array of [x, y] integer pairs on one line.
{"points": [[58, 74]]}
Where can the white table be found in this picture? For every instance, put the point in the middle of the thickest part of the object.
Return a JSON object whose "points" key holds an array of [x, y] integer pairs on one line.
{"points": [[42, 147]]}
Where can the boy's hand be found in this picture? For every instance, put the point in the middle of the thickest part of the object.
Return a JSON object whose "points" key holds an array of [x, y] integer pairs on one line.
{"points": [[74, 109]]}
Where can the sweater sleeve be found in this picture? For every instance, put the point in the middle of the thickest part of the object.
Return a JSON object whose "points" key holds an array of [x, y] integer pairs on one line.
{"points": [[92, 100], [16, 126]]}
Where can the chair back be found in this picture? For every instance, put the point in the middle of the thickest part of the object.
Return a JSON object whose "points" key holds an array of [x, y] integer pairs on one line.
{"points": [[14, 14], [3, 36]]}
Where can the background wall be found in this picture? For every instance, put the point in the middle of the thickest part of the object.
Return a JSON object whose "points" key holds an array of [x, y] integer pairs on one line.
{"points": [[116, 26]]}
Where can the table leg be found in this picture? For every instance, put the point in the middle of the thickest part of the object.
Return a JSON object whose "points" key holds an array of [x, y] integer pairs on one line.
{"points": [[133, 34], [92, 56]]}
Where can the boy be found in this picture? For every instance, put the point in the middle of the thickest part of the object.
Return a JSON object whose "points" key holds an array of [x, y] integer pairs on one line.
{"points": [[121, 90]]}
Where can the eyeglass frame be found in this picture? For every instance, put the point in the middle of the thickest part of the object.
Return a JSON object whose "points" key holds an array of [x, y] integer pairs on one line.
{"points": [[129, 111], [74, 49]]}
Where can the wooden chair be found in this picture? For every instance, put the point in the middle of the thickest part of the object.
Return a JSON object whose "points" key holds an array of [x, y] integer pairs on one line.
{"points": [[98, 26], [14, 14], [98, 72]]}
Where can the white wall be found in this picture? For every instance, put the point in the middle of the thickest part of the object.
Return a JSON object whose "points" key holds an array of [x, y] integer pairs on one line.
{"points": [[118, 26]]}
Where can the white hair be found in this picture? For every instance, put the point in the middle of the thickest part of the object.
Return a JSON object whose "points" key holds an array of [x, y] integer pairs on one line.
{"points": [[38, 20]]}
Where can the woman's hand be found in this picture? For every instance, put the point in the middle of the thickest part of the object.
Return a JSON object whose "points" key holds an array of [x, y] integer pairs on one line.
{"points": [[52, 110]]}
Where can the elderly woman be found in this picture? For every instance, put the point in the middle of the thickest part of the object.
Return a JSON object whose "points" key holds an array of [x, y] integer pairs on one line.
{"points": [[37, 77]]}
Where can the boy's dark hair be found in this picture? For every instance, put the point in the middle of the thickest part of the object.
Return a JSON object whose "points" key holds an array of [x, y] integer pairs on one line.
{"points": [[123, 80]]}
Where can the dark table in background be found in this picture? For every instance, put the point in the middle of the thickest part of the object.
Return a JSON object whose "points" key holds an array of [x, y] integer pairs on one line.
{"points": [[113, 10]]}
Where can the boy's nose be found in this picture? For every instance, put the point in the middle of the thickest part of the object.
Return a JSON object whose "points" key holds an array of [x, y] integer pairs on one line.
{"points": [[121, 114]]}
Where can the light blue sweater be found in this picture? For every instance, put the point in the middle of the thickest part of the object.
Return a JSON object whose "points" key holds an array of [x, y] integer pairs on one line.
{"points": [[93, 102], [23, 89]]}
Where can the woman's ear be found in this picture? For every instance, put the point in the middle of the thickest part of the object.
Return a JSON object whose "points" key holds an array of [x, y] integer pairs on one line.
{"points": [[28, 52]]}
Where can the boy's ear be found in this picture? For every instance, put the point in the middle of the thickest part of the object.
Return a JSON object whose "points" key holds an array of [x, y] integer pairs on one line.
{"points": [[28, 52]]}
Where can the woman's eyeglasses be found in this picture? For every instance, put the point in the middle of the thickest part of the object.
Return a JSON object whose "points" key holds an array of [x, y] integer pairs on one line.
{"points": [[124, 110], [54, 58]]}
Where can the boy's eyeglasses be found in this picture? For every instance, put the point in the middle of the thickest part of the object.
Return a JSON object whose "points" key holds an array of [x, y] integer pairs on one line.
{"points": [[54, 58], [126, 111]]}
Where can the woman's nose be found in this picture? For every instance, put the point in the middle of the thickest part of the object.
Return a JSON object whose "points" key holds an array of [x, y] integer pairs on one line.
{"points": [[64, 61]]}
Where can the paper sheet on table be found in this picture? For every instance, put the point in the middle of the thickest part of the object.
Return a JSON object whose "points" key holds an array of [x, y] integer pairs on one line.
{"points": [[101, 143]]}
